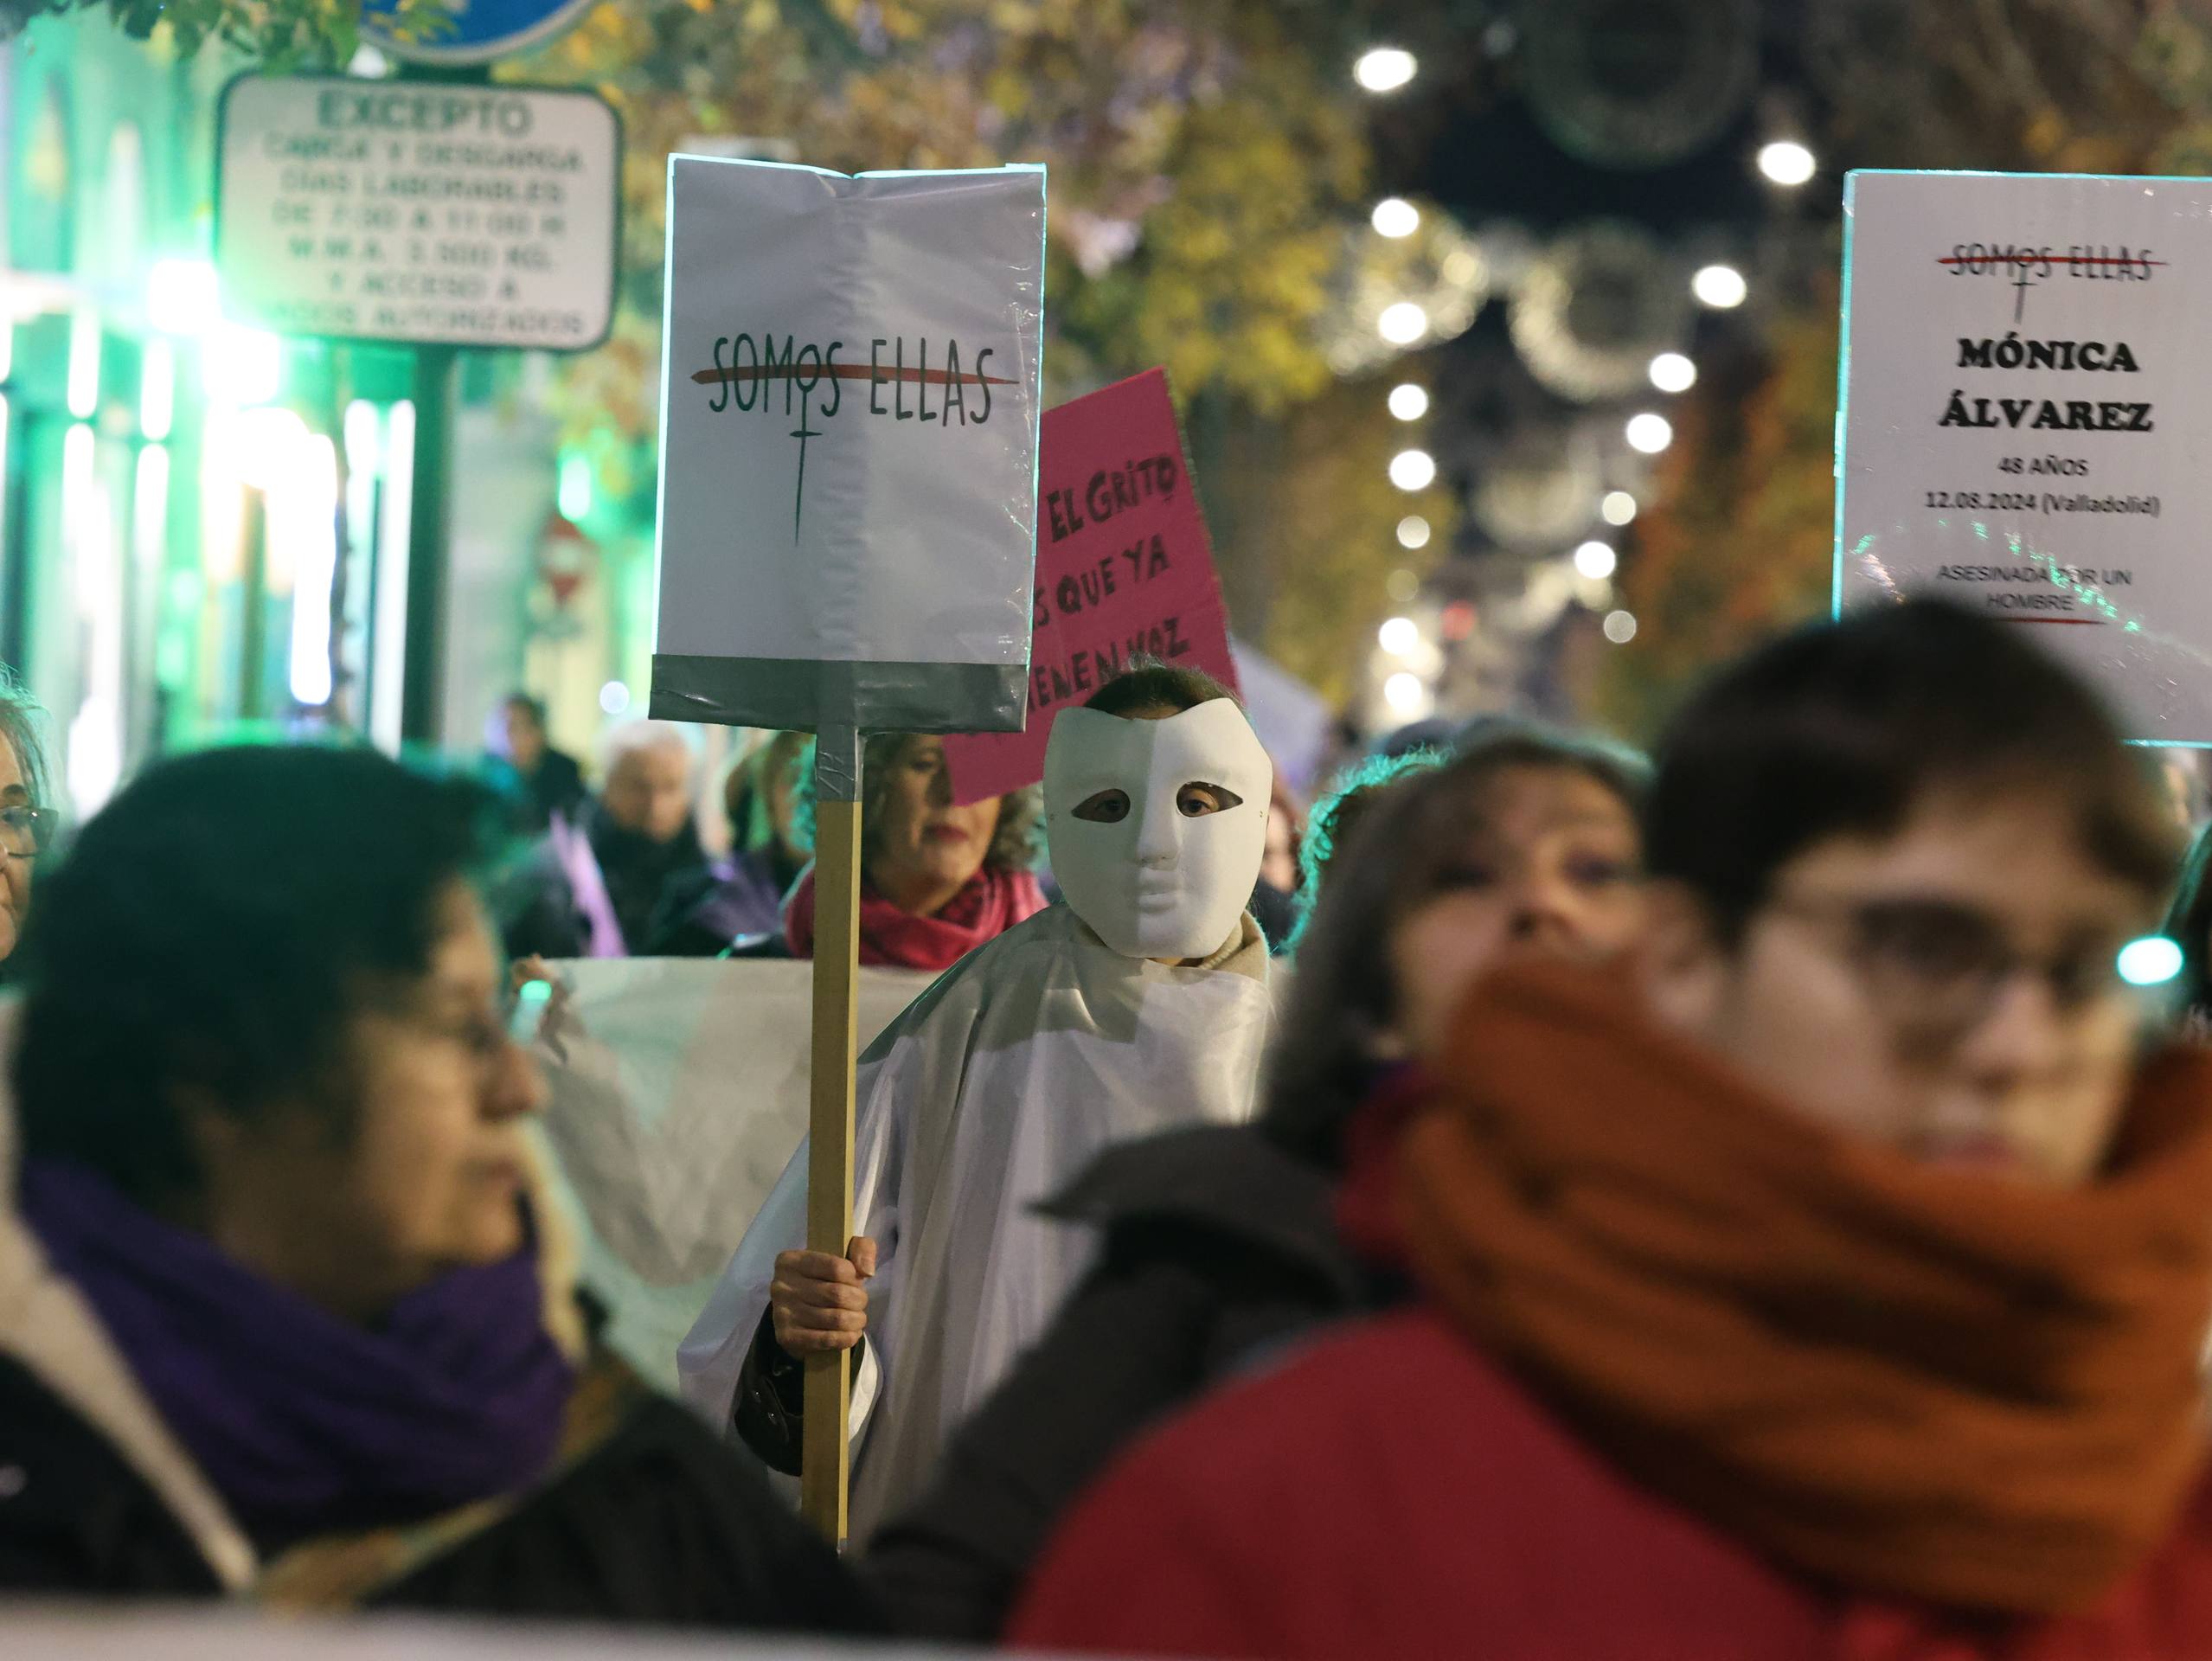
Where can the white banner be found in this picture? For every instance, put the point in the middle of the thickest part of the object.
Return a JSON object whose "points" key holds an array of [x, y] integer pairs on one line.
{"points": [[849, 441], [2027, 387], [679, 1091], [179, 1631]]}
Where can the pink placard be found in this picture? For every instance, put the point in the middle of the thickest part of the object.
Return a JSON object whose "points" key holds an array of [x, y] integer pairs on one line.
{"points": [[1123, 569]]}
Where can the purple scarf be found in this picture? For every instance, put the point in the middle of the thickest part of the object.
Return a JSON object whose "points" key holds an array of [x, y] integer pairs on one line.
{"points": [[304, 1423]]}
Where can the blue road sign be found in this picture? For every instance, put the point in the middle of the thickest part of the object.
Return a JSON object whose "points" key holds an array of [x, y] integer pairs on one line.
{"points": [[476, 31]]}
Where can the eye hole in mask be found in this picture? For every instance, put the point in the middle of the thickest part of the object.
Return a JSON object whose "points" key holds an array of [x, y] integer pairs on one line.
{"points": [[1195, 801], [1107, 807]]}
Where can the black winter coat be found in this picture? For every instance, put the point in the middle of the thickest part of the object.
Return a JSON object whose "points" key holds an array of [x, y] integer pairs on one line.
{"points": [[658, 1524], [1218, 1250], [656, 890]]}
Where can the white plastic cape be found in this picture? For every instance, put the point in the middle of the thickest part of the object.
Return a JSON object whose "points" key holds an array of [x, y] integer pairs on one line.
{"points": [[991, 1091]]}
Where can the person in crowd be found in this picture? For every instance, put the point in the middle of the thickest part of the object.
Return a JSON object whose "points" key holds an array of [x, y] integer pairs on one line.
{"points": [[1219, 1245], [27, 825], [548, 782], [1834, 1283], [1274, 897], [766, 857], [1341, 809], [2188, 926], [740, 910], [1138, 1004], [1286, 824], [629, 873], [937, 879], [278, 1312]]}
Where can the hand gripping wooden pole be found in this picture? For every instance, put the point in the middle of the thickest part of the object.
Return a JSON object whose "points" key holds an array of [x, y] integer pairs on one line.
{"points": [[823, 1455]]}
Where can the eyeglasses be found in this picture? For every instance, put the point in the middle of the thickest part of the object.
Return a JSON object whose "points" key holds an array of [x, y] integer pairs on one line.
{"points": [[26, 832], [1934, 968]]}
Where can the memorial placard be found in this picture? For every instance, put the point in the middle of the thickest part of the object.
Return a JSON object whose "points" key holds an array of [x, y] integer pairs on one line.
{"points": [[2026, 385]]}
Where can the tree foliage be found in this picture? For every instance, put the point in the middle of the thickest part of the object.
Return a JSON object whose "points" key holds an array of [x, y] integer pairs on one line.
{"points": [[1308, 495], [1202, 158], [1742, 540], [275, 34], [1205, 158]]}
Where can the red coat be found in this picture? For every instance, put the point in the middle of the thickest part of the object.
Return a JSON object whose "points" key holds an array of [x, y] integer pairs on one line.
{"points": [[1392, 1493]]}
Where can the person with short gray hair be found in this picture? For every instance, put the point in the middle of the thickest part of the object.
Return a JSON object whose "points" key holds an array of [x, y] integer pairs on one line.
{"points": [[621, 877]]}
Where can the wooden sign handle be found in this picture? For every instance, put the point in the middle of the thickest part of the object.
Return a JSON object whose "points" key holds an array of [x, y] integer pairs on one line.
{"points": [[824, 1459]]}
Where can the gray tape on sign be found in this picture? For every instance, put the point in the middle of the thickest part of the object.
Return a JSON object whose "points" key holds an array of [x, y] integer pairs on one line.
{"points": [[837, 764], [808, 696]]}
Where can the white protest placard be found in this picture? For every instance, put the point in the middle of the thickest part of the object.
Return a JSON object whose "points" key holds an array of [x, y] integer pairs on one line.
{"points": [[849, 446], [418, 212], [2027, 383]]}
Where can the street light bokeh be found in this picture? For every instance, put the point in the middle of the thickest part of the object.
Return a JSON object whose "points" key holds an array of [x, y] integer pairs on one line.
{"points": [[1403, 323], [1413, 470], [1384, 70], [1672, 372], [1408, 402], [1395, 217], [1618, 508], [1650, 433], [1412, 531], [1785, 161], [1721, 287], [1595, 560]]}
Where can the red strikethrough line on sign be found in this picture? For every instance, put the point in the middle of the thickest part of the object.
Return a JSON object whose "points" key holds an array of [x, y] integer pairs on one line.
{"points": [[2051, 259], [844, 372]]}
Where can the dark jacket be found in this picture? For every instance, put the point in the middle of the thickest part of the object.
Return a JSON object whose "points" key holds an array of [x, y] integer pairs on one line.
{"points": [[557, 786], [1219, 1249], [652, 1522], [745, 903], [654, 888]]}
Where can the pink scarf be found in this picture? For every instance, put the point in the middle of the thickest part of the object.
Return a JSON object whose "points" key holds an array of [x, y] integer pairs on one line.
{"points": [[992, 903]]}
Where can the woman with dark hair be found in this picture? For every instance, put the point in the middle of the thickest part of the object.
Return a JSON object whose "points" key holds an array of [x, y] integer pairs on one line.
{"points": [[27, 824], [278, 1315], [1139, 1004], [1219, 1244], [1831, 1283], [937, 879]]}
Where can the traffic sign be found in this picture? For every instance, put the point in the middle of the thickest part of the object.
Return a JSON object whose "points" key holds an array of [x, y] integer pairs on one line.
{"points": [[475, 31], [420, 212]]}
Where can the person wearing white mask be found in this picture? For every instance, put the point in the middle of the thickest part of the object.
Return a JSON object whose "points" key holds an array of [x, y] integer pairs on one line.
{"points": [[1138, 1004]]}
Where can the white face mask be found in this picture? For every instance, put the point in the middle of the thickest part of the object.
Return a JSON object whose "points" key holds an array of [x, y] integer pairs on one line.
{"points": [[1152, 879]]}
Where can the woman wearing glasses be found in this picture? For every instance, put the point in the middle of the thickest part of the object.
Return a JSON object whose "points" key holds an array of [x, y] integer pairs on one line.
{"points": [[25, 823], [1834, 1286], [277, 1314]]}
